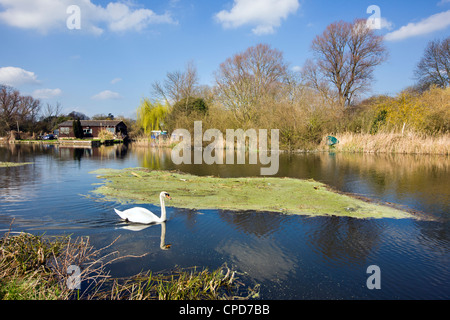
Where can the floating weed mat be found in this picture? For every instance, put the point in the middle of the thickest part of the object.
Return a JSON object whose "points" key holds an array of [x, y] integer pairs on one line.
{"points": [[286, 195], [13, 164]]}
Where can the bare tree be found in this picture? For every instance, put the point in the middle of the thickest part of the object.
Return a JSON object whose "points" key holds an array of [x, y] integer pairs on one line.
{"points": [[247, 77], [52, 110], [434, 67], [9, 104], [51, 114], [16, 110], [178, 85], [28, 109], [345, 56]]}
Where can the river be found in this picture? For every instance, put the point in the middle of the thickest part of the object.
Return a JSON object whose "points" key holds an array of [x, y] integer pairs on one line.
{"points": [[289, 256]]}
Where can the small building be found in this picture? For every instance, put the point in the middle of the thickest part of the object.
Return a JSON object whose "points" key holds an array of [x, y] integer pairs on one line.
{"points": [[92, 128]]}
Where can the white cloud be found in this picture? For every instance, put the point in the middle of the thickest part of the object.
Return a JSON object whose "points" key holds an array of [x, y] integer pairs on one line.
{"points": [[40, 15], [264, 15], [46, 93], [121, 18], [14, 76], [386, 24], [47, 15], [115, 80], [433, 23], [107, 95]]}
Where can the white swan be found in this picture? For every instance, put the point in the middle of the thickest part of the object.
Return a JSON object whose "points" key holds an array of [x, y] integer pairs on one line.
{"points": [[142, 215]]}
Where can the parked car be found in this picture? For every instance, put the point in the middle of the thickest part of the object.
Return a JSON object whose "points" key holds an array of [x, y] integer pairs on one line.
{"points": [[48, 137]]}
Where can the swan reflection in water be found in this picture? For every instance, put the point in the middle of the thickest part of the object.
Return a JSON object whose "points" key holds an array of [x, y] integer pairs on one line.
{"points": [[140, 227]]}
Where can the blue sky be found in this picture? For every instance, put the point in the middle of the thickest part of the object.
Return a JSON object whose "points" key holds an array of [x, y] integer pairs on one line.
{"points": [[122, 47]]}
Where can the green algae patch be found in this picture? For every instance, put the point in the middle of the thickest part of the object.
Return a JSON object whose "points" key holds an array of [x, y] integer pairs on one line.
{"points": [[13, 164], [287, 195]]}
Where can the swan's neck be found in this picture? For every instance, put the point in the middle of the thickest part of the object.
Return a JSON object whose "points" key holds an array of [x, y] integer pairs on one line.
{"points": [[163, 208]]}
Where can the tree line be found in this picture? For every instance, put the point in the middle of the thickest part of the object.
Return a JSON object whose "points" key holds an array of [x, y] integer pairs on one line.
{"points": [[257, 89], [26, 114], [16, 110]]}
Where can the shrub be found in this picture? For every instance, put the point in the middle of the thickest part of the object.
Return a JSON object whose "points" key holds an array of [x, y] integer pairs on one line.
{"points": [[105, 135], [77, 129]]}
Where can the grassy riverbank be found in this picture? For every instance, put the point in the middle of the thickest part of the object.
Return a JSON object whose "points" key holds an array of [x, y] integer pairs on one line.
{"points": [[85, 142], [287, 195], [28, 269], [36, 268], [383, 142]]}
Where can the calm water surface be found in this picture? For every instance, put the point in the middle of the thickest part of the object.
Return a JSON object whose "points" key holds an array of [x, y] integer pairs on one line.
{"points": [[291, 257]]}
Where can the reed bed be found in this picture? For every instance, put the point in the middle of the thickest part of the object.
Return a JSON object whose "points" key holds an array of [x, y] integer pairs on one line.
{"points": [[180, 284], [36, 267], [408, 143], [143, 140], [24, 270]]}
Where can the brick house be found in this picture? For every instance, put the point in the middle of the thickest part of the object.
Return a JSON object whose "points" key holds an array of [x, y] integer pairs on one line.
{"points": [[91, 128]]}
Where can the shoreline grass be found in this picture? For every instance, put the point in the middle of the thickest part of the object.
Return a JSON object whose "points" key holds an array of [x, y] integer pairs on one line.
{"points": [[408, 143], [382, 142], [35, 268], [180, 284], [285, 195], [25, 271]]}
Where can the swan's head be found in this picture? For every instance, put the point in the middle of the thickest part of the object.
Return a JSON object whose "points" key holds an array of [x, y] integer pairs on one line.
{"points": [[166, 195]]}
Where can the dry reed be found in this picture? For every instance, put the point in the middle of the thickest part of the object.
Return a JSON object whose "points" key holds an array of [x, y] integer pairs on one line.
{"points": [[409, 143], [36, 268]]}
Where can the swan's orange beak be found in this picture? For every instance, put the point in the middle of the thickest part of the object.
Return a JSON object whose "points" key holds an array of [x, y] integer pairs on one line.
{"points": [[168, 197]]}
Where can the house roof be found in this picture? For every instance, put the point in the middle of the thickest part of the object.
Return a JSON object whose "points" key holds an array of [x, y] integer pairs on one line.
{"points": [[92, 123]]}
